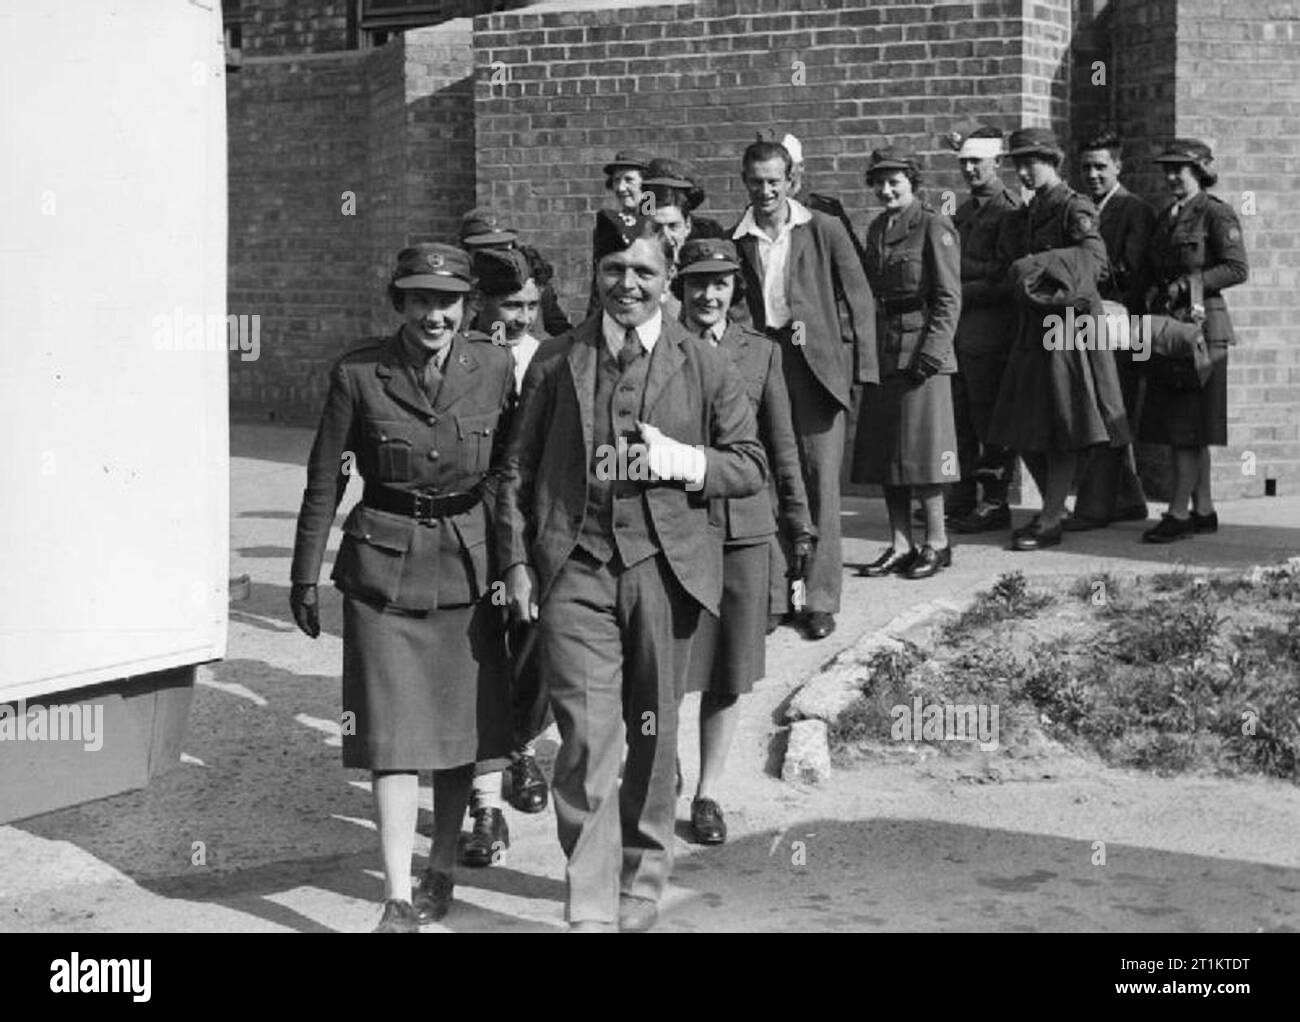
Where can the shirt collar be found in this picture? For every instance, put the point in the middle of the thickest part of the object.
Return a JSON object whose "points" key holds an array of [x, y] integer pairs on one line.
{"points": [[1114, 190], [418, 356], [648, 332], [799, 214]]}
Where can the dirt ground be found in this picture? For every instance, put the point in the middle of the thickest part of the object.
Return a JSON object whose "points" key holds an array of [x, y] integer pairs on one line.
{"points": [[261, 829]]}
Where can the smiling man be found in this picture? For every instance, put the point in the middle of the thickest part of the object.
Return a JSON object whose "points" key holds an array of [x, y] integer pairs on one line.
{"points": [[795, 261], [616, 570]]}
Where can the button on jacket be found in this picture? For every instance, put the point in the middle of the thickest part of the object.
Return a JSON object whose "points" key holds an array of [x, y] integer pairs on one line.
{"points": [[379, 422], [916, 261]]}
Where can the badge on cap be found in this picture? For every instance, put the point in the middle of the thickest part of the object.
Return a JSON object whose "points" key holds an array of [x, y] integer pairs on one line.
{"points": [[436, 261], [1234, 234]]}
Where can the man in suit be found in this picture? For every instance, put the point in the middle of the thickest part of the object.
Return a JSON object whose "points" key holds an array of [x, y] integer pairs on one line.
{"points": [[1108, 487], [794, 261], [627, 428]]}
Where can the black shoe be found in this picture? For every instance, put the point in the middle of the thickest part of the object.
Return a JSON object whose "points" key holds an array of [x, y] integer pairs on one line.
{"points": [[986, 518], [1169, 529], [1025, 529], [1206, 523], [774, 622], [636, 915], [528, 791], [1035, 537], [707, 824], [487, 841], [891, 562], [1082, 523], [398, 917], [432, 898], [929, 562], [819, 624]]}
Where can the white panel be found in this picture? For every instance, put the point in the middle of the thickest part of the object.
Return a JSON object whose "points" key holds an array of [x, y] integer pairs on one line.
{"points": [[114, 502]]}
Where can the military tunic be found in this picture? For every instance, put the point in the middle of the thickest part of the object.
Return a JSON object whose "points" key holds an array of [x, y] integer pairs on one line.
{"points": [[1205, 238], [1060, 400], [906, 435], [424, 671], [729, 652]]}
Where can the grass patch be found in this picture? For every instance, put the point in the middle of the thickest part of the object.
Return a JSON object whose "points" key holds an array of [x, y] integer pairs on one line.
{"points": [[1175, 672]]}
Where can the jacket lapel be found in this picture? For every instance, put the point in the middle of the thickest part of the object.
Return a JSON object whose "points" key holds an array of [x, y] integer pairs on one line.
{"points": [[399, 381], [747, 247], [583, 359], [665, 360], [461, 363], [800, 235]]}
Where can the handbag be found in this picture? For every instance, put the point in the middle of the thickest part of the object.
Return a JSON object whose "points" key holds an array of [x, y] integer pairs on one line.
{"points": [[1179, 358]]}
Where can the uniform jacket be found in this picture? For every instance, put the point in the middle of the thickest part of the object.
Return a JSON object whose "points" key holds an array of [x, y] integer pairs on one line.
{"points": [[1062, 218], [693, 394], [918, 258], [378, 414], [1205, 238], [987, 230], [822, 259], [1125, 223], [750, 518]]}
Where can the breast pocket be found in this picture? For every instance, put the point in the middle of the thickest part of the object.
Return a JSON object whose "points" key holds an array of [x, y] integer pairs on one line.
{"points": [[1190, 250], [903, 272], [474, 437], [394, 444]]}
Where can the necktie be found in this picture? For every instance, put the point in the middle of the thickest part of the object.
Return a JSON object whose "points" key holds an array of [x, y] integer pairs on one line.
{"points": [[631, 349], [431, 376]]}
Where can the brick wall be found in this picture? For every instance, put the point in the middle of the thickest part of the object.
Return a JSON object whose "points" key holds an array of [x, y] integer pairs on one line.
{"points": [[393, 127], [560, 87]]}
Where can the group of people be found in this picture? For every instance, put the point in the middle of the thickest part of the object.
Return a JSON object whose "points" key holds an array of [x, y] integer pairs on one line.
{"points": [[584, 522]]}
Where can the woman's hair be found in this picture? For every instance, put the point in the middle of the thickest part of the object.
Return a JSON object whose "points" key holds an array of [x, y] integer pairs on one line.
{"points": [[619, 172], [1204, 175], [678, 287], [914, 176]]}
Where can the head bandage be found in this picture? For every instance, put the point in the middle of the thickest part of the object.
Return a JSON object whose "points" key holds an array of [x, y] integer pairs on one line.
{"points": [[980, 148]]}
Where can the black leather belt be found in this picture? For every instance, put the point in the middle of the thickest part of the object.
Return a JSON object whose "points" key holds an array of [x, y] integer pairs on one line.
{"points": [[419, 505], [897, 306]]}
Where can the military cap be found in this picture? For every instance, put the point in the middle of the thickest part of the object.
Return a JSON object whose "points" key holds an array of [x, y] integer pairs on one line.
{"points": [[708, 255], [501, 271], [433, 267], [634, 159], [481, 226], [1186, 150], [617, 231], [1035, 142], [664, 172], [893, 158]]}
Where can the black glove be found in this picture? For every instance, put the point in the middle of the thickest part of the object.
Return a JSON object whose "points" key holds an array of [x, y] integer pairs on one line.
{"points": [[800, 557], [305, 607]]}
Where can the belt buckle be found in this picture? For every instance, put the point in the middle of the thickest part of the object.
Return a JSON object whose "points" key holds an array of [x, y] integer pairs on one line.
{"points": [[422, 509]]}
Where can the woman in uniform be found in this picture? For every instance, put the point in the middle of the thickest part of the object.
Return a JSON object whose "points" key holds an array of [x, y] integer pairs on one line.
{"points": [[906, 435], [728, 653], [1196, 251], [1056, 402], [425, 681]]}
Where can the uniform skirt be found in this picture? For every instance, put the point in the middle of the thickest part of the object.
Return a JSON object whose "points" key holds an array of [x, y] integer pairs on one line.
{"points": [[430, 690], [1189, 418], [728, 653], [1057, 401], [906, 433]]}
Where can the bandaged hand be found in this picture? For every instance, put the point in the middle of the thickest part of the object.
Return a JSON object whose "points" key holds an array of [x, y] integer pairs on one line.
{"points": [[671, 460]]}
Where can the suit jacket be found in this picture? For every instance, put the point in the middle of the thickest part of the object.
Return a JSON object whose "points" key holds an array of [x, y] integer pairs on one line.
{"points": [[377, 413], [693, 394], [917, 259], [750, 518], [1125, 223], [823, 262]]}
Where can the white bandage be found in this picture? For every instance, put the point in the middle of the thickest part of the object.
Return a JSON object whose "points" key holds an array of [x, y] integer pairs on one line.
{"points": [[672, 459], [980, 148]]}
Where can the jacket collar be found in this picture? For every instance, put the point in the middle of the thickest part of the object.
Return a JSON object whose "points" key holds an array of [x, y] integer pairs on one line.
{"points": [[904, 224], [399, 382]]}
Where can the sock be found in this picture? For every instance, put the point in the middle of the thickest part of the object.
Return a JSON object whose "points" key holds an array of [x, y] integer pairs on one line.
{"points": [[486, 793]]}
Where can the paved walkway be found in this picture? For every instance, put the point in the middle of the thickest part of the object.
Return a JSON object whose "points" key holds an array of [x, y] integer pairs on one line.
{"points": [[262, 829]]}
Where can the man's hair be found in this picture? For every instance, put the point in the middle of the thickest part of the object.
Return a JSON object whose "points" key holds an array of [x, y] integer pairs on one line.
{"points": [[761, 152], [653, 232], [666, 195], [1107, 140]]}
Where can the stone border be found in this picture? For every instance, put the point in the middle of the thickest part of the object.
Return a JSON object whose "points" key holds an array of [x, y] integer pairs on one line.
{"points": [[821, 700]]}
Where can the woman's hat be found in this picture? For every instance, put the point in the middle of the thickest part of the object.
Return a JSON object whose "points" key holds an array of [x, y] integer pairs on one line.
{"points": [[1035, 142], [708, 255], [628, 159], [893, 158], [433, 267]]}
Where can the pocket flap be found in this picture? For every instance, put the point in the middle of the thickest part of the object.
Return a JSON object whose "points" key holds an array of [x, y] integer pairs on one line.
{"points": [[388, 532], [475, 425]]}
